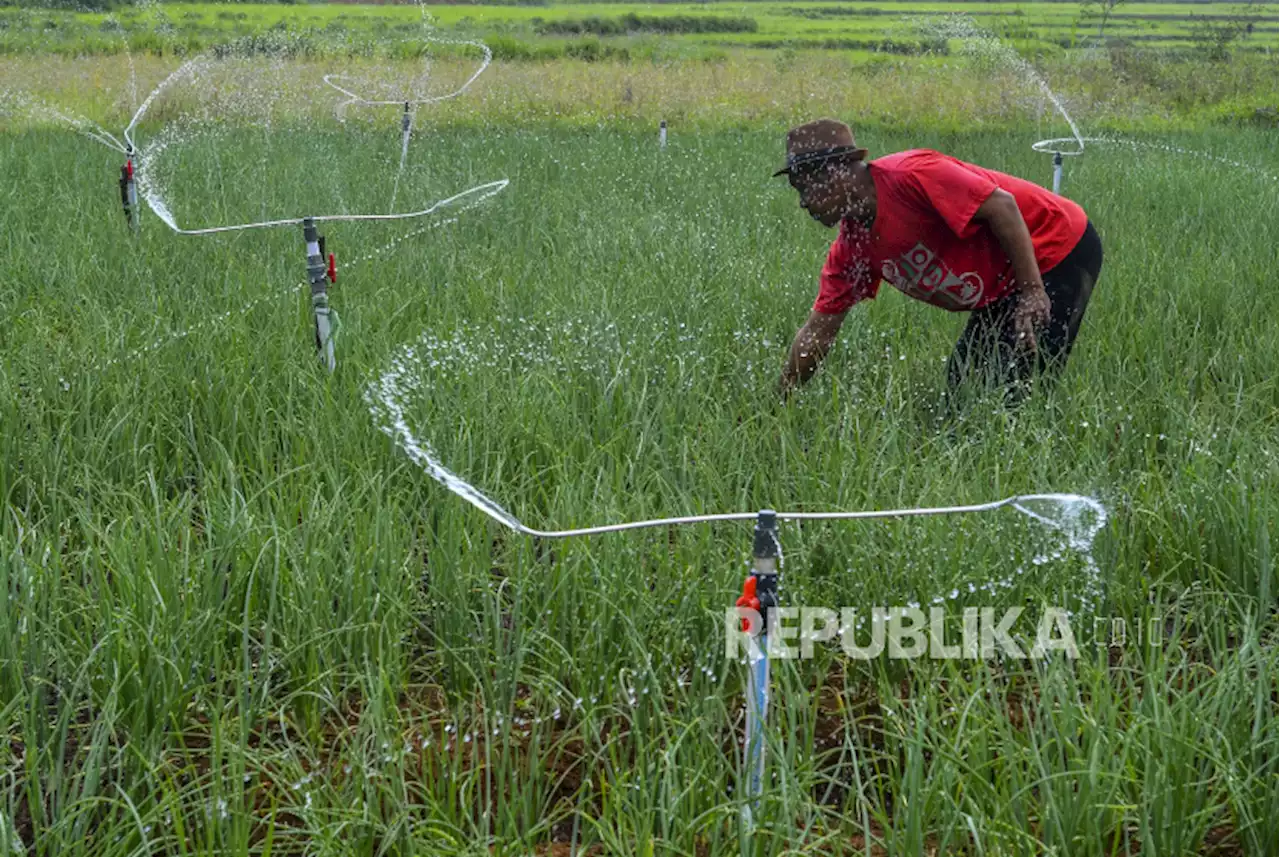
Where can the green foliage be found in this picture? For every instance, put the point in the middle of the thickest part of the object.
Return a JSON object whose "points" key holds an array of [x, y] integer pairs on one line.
{"points": [[912, 47], [1035, 31], [239, 619], [238, 613], [1216, 37], [1100, 10], [633, 23]]}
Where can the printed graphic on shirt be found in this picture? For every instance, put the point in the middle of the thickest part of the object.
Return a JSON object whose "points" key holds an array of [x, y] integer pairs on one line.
{"points": [[920, 274]]}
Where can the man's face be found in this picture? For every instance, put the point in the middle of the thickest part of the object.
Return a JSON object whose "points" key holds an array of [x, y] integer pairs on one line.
{"points": [[822, 189]]}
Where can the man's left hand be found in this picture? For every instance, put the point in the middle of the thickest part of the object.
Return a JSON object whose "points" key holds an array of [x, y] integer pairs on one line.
{"points": [[1031, 313]]}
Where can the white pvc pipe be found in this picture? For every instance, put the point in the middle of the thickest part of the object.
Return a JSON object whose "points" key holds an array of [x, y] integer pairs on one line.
{"points": [[1014, 501], [357, 99], [753, 745], [485, 191]]}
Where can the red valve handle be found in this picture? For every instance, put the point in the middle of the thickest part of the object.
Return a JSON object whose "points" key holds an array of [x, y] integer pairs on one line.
{"points": [[749, 600], [128, 168], [333, 269]]}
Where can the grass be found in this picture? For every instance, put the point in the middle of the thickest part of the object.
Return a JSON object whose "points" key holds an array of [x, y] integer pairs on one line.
{"points": [[242, 621], [867, 27], [1121, 92]]}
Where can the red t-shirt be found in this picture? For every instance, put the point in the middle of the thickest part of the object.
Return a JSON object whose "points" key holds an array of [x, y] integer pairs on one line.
{"points": [[925, 242]]}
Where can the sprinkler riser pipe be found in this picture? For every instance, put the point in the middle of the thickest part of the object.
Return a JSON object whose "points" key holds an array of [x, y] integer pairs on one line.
{"points": [[765, 542], [129, 195], [764, 562], [757, 716], [662, 134], [318, 279], [766, 551], [1057, 172], [324, 330]]}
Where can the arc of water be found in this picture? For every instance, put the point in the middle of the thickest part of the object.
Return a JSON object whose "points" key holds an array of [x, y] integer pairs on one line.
{"points": [[408, 100], [151, 193], [154, 200], [481, 192], [384, 397], [97, 133], [82, 124], [354, 98], [221, 318], [1052, 146], [961, 26], [187, 69]]}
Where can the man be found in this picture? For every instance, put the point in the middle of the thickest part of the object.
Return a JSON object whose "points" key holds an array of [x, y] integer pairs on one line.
{"points": [[1020, 260]]}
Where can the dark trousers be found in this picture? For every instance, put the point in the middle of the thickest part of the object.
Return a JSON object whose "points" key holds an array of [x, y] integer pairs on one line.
{"points": [[988, 349]]}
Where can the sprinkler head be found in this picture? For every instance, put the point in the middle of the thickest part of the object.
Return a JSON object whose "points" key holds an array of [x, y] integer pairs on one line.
{"points": [[765, 545]]}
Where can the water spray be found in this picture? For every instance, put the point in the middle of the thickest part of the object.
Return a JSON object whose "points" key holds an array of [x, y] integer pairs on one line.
{"points": [[319, 276], [341, 84], [125, 146], [1079, 518], [223, 317], [976, 40], [321, 266], [761, 587], [161, 209], [37, 107]]}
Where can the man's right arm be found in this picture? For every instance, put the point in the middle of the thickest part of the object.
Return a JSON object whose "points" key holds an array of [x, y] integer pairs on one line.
{"points": [[811, 344]]}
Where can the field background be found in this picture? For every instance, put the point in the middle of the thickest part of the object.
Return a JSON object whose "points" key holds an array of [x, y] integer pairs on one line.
{"points": [[241, 621], [523, 31]]}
